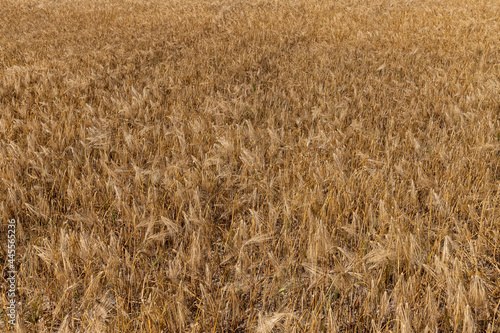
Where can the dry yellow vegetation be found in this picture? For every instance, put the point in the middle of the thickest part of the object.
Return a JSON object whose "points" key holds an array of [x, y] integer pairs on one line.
{"points": [[267, 165]]}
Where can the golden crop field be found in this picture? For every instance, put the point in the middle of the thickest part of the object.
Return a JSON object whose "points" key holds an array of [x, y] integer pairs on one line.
{"points": [[251, 165]]}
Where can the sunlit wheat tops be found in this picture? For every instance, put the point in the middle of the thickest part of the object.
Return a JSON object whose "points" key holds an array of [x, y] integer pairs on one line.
{"points": [[252, 166]]}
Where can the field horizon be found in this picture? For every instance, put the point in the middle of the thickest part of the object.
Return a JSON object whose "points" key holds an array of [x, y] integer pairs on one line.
{"points": [[260, 166]]}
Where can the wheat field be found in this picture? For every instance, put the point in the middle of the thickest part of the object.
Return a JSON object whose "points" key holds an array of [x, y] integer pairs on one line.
{"points": [[251, 165]]}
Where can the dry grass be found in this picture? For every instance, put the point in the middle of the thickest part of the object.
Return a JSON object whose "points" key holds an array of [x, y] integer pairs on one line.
{"points": [[231, 166]]}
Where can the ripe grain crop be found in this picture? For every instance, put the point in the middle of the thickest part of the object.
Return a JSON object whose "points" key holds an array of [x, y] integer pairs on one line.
{"points": [[252, 165]]}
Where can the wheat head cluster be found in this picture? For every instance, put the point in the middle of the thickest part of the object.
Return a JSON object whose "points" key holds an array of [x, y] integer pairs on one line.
{"points": [[251, 165]]}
